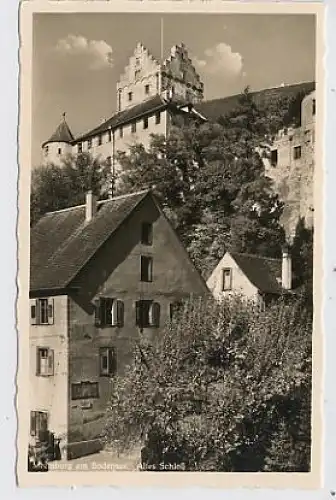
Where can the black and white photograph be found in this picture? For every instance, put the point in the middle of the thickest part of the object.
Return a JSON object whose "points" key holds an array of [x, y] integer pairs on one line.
{"points": [[170, 318]]}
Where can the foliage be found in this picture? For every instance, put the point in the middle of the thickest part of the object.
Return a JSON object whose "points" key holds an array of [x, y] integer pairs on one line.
{"points": [[302, 260], [54, 187], [225, 388]]}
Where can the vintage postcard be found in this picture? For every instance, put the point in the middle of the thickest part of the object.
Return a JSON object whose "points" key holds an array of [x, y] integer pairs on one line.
{"points": [[170, 220]]}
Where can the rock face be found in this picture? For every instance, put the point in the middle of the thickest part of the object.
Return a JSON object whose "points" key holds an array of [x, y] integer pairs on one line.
{"points": [[290, 164]]}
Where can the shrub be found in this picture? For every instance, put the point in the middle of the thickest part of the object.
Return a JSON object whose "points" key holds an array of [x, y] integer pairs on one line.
{"points": [[225, 388]]}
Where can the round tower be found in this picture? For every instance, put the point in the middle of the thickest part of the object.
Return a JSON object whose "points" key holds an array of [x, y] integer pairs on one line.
{"points": [[59, 144]]}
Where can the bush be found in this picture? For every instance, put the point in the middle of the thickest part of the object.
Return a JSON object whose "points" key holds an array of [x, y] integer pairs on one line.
{"points": [[225, 388]]}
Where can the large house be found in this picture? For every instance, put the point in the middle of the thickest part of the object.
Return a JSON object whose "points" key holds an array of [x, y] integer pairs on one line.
{"points": [[103, 275], [150, 96], [254, 277]]}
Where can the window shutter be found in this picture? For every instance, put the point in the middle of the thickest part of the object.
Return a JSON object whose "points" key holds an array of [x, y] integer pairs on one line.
{"points": [[33, 312], [138, 321], [114, 318], [120, 312], [97, 313], [33, 423], [155, 314], [50, 361], [50, 311], [38, 362]]}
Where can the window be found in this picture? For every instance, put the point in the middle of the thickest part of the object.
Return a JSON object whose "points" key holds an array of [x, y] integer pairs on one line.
{"points": [[79, 147], [175, 309], [38, 423], [119, 100], [109, 312], [130, 96], [59, 151], [157, 118], [121, 132], [274, 157], [42, 312], [85, 390], [44, 362], [109, 161], [89, 143], [314, 107], [297, 152], [100, 140], [147, 313], [147, 233], [137, 74], [137, 61], [147, 88], [227, 279], [146, 271], [46, 150], [109, 135], [145, 122], [107, 361], [133, 127]]}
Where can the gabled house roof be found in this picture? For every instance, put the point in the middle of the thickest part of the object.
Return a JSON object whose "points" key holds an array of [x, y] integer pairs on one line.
{"points": [[263, 272], [62, 242], [61, 134], [149, 106]]}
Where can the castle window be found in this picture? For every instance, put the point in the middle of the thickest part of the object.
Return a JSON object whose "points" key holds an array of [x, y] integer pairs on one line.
{"points": [[121, 132], [147, 88], [146, 269], [100, 140], [59, 151], [314, 107], [133, 127], [109, 135], [119, 100], [107, 361], [147, 313], [157, 118], [130, 96], [297, 152], [79, 147], [44, 362], [274, 157], [137, 61], [89, 143], [227, 279], [46, 150], [145, 122]]}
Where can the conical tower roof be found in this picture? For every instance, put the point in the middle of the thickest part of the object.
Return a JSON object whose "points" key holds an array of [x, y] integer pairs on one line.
{"points": [[61, 134]]}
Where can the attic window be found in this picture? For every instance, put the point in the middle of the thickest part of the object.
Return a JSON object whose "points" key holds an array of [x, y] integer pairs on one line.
{"points": [[147, 233], [227, 279]]}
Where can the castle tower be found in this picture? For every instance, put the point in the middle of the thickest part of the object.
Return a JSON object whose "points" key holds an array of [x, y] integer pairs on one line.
{"points": [[59, 144]]}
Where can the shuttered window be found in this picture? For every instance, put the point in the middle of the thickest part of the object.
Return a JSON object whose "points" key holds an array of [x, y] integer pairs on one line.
{"points": [[147, 313], [227, 279], [42, 311], [38, 422], [107, 360], [44, 361], [109, 312]]}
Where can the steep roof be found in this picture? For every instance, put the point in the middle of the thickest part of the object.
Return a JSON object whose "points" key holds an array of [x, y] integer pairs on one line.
{"points": [[62, 242], [263, 272], [61, 134], [154, 103]]}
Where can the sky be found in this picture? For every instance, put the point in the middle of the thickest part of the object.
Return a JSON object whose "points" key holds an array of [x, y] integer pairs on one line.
{"points": [[77, 59]]}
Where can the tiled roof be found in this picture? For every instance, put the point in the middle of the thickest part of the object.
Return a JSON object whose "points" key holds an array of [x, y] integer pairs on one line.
{"points": [[263, 272], [128, 115], [61, 134], [61, 242]]}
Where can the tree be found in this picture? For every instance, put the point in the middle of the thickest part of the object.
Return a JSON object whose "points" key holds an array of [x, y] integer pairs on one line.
{"points": [[55, 187], [302, 252], [225, 388]]}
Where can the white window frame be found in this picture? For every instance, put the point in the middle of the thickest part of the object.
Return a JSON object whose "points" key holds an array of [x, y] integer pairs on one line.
{"points": [[224, 271], [44, 361]]}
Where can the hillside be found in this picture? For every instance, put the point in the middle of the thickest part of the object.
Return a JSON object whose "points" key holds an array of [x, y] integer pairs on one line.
{"points": [[215, 108]]}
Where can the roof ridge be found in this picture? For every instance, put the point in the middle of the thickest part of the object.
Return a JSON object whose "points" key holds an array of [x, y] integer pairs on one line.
{"points": [[99, 202], [256, 256]]}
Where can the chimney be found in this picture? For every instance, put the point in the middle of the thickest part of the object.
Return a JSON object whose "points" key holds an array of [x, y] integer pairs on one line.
{"points": [[286, 278], [90, 206]]}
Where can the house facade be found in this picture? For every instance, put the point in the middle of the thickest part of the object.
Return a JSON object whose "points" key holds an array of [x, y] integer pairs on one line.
{"points": [[291, 166], [149, 95], [103, 276], [259, 279]]}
